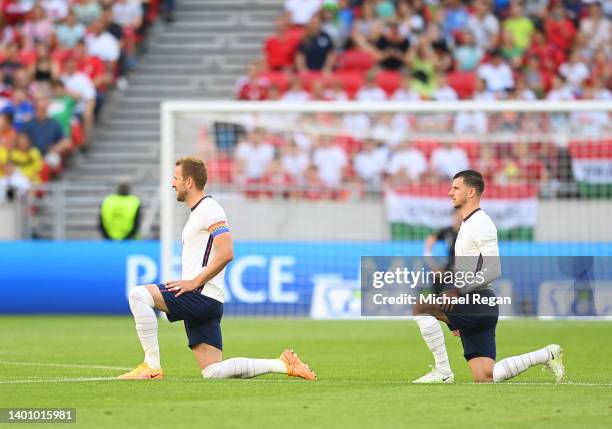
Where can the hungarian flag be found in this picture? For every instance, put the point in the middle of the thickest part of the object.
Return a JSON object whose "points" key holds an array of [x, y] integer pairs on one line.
{"points": [[415, 211], [592, 167]]}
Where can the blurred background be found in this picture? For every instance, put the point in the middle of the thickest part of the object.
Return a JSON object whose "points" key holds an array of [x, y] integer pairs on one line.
{"points": [[308, 191]]}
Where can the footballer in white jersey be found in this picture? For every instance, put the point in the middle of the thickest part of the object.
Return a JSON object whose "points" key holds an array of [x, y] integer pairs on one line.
{"points": [[197, 298], [470, 309]]}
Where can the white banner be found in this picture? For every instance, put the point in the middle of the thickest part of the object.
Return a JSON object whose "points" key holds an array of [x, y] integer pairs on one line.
{"points": [[436, 212], [592, 170]]}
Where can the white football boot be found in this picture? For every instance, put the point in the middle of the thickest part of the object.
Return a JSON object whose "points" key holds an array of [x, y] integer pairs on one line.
{"points": [[555, 364], [435, 376]]}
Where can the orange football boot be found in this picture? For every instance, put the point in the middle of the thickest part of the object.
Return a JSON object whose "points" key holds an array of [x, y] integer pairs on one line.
{"points": [[143, 372], [295, 367]]}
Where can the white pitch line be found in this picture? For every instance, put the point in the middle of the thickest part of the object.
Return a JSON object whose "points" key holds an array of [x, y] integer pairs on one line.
{"points": [[58, 380], [64, 365]]}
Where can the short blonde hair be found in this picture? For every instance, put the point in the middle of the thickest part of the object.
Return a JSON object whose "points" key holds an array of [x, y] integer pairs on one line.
{"points": [[194, 167]]}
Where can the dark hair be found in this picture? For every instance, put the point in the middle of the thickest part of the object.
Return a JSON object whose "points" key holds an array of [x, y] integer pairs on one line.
{"points": [[473, 179]]}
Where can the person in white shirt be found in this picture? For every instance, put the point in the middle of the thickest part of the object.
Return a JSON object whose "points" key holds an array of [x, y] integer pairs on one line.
{"points": [[370, 91], [596, 29], [448, 160], [560, 91], [483, 25], [13, 184], [253, 156], [55, 9], [198, 297], [294, 161], [80, 87], [444, 92], [296, 92], [496, 73], [405, 92], [370, 164], [128, 13], [407, 164], [331, 162], [302, 10], [462, 307], [470, 123], [575, 71], [102, 44]]}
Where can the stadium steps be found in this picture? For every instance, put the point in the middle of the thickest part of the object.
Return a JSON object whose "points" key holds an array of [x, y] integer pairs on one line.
{"points": [[198, 56]]}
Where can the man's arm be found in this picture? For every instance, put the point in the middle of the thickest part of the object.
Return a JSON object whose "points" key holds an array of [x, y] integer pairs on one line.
{"points": [[224, 253]]}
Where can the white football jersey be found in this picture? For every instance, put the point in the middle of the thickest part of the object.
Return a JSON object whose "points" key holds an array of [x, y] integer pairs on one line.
{"points": [[476, 249], [206, 221]]}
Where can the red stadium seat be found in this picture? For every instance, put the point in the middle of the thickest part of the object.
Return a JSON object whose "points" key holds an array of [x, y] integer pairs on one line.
{"points": [[426, 146], [389, 81], [471, 148], [463, 83], [351, 81], [356, 59], [277, 79]]}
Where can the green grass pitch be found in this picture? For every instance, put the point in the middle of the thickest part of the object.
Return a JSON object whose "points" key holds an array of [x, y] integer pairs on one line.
{"points": [[364, 368]]}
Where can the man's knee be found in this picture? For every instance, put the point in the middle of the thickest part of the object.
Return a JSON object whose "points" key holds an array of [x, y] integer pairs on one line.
{"points": [[142, 294]]}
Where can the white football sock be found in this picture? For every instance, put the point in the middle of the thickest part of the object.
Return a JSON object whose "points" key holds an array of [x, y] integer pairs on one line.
{"points": [[141, 304], [514, 365], [431, 331], [244, 368]]}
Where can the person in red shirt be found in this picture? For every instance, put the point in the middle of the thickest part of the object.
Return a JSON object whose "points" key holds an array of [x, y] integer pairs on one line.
{"points": [[252, 86], [560, 31], [279, 48]]}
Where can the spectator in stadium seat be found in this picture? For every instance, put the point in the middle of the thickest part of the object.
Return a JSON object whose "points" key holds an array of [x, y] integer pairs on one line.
{"points": [[522, 91], [367, 27], [370, 164], [591, 123], [470, 123], [27, 158], [294, 161], [253, 156], [13, 184], [278, 48], [296, 92], [330, 25], [468, 54], [370, 91], [22, 108], [454, 17], [512, 54], [519, 25], [444, 92], [128, 14], [496, 73], [62, 107], [596, 29], [301, 11], [252, 86], [102, 44], [276, 181], [7, 132], [87, 11], [560, 31], [405, 91], [407, 164], [70, 31], [38, 27], [45, 133], [560, 90], [391, 48], [447, 160], [56, 10], [316, 52], [533, 77], [95, 69], [484, 25], [80, 87], [423, 62], [575, 71], [600, 92], [334, 91], [11, 63], [331, 162]]}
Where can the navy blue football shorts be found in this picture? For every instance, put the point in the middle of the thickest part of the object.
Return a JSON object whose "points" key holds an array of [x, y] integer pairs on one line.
{"points": [[476, 323], [200, 314]]}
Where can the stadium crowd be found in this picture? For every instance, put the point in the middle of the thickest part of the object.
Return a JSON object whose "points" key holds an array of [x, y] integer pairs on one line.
{"points": [[58, 60], [442, 50]]}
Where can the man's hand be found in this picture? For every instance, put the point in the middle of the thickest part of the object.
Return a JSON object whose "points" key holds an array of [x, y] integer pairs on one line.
{"points": [[452, 293], [456, 333], [181, 286]]}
